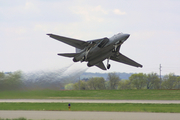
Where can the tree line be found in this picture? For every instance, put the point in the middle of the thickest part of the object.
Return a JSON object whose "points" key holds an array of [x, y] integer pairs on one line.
{"points": [[135, 81], [15, 81], [10, 81]]}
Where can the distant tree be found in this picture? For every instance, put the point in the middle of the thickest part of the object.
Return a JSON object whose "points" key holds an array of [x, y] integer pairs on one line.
{"points": [[138, 80], [91, 83], [76, 86], [177, 84], [107, 85], [96, 83], [81, 85], [11, 81], [69, 86], [113, 80], [169, 81], [2, 76], [124, 84], [153, 81]]}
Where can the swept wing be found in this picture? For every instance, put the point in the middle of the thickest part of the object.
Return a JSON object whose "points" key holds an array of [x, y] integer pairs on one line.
{"points": [[70, 41], [75, 42], [123, 59]]}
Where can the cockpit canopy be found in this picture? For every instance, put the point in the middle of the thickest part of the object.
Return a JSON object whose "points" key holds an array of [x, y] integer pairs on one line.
{"points": [[103, 42]]}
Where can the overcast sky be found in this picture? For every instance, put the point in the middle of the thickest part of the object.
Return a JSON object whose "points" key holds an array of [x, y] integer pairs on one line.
{"points": [[153, 25]]}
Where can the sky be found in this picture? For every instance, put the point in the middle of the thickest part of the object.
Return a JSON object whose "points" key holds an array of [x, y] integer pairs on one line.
{"points": [[153, 25]]}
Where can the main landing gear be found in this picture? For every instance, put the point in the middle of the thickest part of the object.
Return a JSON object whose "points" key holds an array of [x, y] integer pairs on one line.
{"points": [[108, 65]]}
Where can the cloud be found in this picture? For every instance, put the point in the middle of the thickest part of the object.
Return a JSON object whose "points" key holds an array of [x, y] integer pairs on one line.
{"points": [[30, 6], [118, 12], [91, 13], [100, 9]]}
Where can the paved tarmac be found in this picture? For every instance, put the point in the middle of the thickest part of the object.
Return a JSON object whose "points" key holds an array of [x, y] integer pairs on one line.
{"points": [[79, 115], [90, 101], [84, 115]]}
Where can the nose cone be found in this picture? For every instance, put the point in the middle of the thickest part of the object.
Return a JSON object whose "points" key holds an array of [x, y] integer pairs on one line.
{"points": [[126, 36]]}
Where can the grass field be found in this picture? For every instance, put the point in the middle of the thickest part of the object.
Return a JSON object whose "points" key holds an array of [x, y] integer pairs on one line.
{"points": [[21, 118], [118, 107], [93, 94]]}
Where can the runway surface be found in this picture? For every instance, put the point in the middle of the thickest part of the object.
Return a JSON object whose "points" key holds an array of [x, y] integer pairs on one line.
{"points": [[69, 115], [90, 101], [85, 115]]}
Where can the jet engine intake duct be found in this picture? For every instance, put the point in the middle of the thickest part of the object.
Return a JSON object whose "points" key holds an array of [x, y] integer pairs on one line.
{"points": [[80, 57], [100, 58]]}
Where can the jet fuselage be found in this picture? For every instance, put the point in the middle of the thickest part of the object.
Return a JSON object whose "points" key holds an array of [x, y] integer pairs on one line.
{"points": [[96, 51], [97, 54]]}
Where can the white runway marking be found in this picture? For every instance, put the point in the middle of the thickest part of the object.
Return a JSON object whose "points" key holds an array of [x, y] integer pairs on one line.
{"points": [[89, 101], [78, 115]]}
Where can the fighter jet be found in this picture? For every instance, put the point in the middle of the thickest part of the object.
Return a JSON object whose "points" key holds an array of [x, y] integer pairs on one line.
{"points": [[96, 51]]}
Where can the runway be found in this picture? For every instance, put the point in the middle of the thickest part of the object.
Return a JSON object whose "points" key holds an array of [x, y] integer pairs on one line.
{"points": [[85, 115], [89, 101], [69, 115]]}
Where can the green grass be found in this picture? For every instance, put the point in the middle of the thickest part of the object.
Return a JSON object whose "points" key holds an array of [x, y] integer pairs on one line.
{"points": [[93, 94], [21, 118], [118, 107]]}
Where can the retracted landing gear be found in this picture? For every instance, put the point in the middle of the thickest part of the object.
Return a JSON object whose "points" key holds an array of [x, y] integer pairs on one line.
{"points": [[108, 65]]}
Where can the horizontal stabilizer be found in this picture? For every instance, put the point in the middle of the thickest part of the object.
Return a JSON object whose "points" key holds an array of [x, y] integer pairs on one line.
{"points": [[123, 59], [68, 54]]}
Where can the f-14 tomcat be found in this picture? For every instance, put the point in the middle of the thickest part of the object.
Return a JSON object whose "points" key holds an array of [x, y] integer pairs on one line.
{"points": [[96, 51]]}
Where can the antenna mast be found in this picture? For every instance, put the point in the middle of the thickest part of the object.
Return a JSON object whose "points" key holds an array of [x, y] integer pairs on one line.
{"points": [[160, 74], [160, 71]]}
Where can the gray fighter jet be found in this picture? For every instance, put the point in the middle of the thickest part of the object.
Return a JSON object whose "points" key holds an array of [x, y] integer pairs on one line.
{"points": [[96, 51]]}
